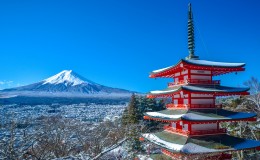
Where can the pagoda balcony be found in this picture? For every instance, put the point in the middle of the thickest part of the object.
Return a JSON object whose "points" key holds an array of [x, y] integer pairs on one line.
{"points": [[212, 131], [225, 156], [176, 131], [192, 106], [194, 81], [194, 133]]}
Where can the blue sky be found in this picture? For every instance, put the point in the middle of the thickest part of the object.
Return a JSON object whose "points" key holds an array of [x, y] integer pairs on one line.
{"points": [[117, 43]]}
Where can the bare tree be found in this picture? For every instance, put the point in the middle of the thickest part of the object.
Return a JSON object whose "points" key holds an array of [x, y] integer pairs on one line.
{"points": [[254, 97], [16, 138]]}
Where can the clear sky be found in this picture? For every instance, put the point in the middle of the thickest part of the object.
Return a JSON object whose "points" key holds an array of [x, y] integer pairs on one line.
{"points": [[118, 42]]}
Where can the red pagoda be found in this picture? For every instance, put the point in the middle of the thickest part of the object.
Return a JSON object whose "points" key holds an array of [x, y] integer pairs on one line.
{"points": [[193, 116]]}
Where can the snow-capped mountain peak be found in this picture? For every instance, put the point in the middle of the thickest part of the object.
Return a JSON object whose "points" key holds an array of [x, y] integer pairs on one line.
{"points": [[67, 83], [68, 77]]}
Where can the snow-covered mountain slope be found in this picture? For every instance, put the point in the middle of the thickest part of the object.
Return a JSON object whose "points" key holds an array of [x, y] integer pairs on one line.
{"points": [[67, 83], [67, 77]]}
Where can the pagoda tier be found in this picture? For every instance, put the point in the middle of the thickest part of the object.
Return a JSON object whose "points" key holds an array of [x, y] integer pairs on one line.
{"points": [[177, 156], [199, 115], [189, 145], [197, 67], [201, 89]]}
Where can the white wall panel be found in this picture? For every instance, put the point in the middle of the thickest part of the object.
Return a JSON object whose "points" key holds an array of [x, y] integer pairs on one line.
{"points": [[200, 95], [202, 101], [200, 77], [200, 72], [197, 127]]}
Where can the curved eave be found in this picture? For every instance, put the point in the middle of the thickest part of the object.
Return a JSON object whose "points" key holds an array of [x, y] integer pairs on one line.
{"points": [[214, 64], [168, 120], [200, 144], [200, 116], [217, 68], [166, 72], [216, 90]]}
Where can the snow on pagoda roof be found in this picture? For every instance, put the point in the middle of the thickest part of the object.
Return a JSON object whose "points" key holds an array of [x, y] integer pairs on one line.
{"points": [[200, 88], [159, 70], [212, 63], [199, 144], [199, 115], [170, 116], [198, 62], [160, 142]]}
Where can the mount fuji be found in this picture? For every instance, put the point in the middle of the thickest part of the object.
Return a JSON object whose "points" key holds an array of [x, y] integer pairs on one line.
{"points": [[66, 84]]}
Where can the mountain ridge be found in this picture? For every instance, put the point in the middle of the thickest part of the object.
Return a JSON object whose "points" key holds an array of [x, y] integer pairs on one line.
{"points": [[67, 83]]}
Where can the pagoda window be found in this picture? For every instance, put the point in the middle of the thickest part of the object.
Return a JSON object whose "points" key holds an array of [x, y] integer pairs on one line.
{"points": [[177, 96], [185, 127], [200, 77], [185, 77], [185, 96], [200, 95], [199, 127], [177, 74], [184, 72], [201, 72], [202, 101], [173, 125]]}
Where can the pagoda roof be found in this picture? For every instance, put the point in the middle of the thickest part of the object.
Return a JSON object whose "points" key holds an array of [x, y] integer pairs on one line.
{"points": [[218, 67], [212, 63], [199, 144], [198, 115], [207, 89]]}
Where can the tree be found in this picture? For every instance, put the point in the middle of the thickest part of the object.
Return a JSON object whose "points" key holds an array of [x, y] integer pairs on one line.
{"points": [[254, 97], [132, 110], [249, 103]]}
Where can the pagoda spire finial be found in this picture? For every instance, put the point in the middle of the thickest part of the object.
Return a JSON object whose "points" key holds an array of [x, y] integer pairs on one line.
{"points": [[191, 40]]}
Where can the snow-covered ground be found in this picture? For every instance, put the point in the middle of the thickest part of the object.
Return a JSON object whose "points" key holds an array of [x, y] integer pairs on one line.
{"points": [[81, 112]]}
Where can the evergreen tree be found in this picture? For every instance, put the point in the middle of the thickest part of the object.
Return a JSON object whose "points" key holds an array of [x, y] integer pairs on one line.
{"points": [[160, 105], [132, 120], [132, 110], [125, 117], [134, 144]]}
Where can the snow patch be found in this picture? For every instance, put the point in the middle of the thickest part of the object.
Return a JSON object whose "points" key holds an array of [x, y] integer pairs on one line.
{"points": [[156, 114], [158, 141]]}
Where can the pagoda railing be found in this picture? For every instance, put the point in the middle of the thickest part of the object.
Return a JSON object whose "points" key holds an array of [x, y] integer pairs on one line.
{"points": [[192, 106], [225, 156], [172, 155], [177, 106], [175, 130], [199, 132], [212, 131], [194, 81]]}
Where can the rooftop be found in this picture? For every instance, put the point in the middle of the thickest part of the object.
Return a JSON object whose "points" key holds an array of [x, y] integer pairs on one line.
{"points": [[217, 68], [199, 115], [199, 144], [208, 89]]}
